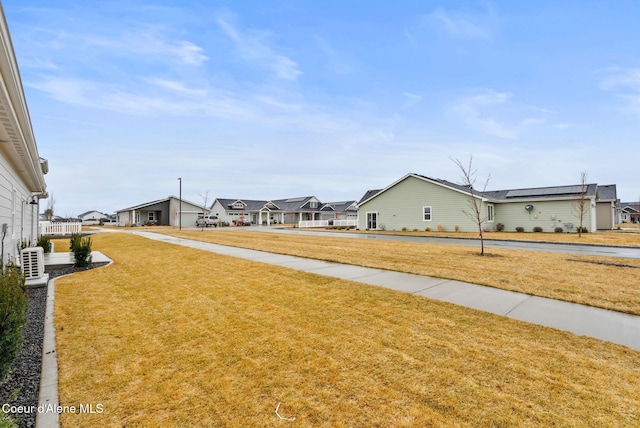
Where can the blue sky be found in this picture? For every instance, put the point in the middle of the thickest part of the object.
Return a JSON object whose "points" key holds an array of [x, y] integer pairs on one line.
{"points": [[274, 99]]}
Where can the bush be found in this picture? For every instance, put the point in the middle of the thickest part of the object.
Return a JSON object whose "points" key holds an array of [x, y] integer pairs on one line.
{"points": [[404, 229], [558, 230], [519, 229], [456, 228], [81, 249], [500, 227], [45, 243], [584, 229], [537, 229], [13, 315], [427, 229], [440, 228]]}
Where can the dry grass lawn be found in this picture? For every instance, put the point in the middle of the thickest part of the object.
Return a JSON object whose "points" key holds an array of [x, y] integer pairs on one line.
{"points": [[571, 278], [171, 336]]}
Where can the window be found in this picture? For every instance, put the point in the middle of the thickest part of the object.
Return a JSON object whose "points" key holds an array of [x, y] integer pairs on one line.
{"points": [[313, 204], [426, 213], [490, 213], [152, 216]]}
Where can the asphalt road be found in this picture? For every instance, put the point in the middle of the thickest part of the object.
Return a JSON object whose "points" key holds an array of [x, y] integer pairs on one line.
{"points": [[581, 249]]}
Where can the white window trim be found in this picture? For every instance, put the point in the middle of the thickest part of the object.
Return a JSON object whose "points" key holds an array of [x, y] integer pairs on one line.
{"points": [[491, 213], [430, 213]]}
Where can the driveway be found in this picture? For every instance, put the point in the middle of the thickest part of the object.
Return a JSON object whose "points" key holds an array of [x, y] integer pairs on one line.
{"points": [[581, 249]]}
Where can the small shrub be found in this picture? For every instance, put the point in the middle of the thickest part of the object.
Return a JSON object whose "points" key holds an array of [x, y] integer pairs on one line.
{"points": [[500, 227], [584, 229], [456, 228], [81, 249], [427, 229], [519, 229], [45, 243], [537, 229], [558, 230], [404, 229], [13, 315], [440, 228], [415, 229]]}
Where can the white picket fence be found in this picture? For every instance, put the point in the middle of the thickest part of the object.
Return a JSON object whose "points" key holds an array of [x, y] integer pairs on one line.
{"points": [[350, 222], [325, 223], [313, 223], [59, 228]]}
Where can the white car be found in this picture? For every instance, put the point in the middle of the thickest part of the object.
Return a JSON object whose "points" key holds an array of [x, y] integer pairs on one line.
{"points": [[207, 220]]}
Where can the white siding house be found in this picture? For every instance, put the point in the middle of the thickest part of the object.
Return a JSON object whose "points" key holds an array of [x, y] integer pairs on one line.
{"points": [[22, 169]]}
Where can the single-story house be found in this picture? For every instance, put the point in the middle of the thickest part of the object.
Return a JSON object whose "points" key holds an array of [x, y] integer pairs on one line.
{"points": [[93, 217], [280, 211], [419, 202], [630, 212], [170, 211], [22, 169]]}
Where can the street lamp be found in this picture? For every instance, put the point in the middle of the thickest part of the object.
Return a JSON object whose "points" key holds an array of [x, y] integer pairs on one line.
{"points": [[180, 209]]}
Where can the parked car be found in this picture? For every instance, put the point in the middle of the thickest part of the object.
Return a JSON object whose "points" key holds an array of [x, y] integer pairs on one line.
{"points": [[207, 220]]}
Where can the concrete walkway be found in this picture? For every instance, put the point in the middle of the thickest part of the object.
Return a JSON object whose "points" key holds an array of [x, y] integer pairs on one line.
{"points": [[602, 324]]}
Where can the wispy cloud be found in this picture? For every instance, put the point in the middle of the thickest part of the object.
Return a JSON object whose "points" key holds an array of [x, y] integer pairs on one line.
{"points": [[625, 84], [253, 46], [463, 25], [482, 109]]}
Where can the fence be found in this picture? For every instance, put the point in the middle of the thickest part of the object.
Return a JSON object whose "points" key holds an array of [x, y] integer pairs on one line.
{"points": [[313, 223], [350, 222], [325, 223], [59, 228]]}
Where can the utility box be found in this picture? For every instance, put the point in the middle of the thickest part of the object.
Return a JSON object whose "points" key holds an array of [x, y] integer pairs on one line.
{"points": [[32, 262]]}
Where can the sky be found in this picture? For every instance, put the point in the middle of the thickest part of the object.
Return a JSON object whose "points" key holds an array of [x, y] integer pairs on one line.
{"points": [[276, 99]]}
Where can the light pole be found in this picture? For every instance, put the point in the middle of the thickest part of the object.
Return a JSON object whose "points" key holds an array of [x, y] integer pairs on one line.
{"points": [[180, 209]]}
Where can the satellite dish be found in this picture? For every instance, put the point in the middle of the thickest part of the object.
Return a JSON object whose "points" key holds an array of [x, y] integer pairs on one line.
{"points": [[528, 208]]}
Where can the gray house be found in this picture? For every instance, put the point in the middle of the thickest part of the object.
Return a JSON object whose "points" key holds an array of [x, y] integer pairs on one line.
{"points": [[281, 211], [419, 202], [170, 211]]}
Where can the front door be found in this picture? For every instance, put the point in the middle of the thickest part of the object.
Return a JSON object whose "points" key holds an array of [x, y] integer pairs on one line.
{"points": [[372, 221]]}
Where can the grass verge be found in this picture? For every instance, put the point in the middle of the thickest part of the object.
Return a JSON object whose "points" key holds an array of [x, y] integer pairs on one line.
{"points": [[171, 336], [596, 281]]}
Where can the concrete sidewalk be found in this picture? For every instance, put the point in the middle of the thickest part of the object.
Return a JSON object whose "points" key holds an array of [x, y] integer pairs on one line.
{"points": [[602, 324]]}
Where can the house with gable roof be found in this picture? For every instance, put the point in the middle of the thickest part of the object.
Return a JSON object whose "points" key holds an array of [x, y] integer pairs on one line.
{"points": [[170, 211], [419, 202], [280, 211]]}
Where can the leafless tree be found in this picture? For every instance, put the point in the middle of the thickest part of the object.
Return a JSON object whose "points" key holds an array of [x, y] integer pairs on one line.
{"points": [[49, 211], [581, 204], [205, 202], [474, 211]]}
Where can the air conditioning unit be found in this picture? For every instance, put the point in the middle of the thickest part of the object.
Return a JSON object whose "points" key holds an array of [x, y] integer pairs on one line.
{"points": [[32, 262]]}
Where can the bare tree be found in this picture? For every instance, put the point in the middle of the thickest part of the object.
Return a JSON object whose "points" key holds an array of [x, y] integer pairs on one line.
{"points": [[49, 211], [581, 205], [474, 211], [205, 202]]}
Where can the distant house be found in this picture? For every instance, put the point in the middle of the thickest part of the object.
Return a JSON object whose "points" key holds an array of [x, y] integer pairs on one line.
{"points": [[93, 217], [170, 211], [419, 202], [22, 169], [630, 212], [280, 211]]}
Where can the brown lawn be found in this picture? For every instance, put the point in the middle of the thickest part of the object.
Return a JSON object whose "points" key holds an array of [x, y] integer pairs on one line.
{"points": [[610, 283], [171, 336]]}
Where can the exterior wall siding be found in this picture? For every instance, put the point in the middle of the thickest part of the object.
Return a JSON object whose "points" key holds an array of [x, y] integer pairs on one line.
{"points": [[545, 214], [21, 218], [402, 207]]}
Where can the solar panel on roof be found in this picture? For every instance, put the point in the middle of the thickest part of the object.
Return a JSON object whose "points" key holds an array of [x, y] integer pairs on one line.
{"points": [[546, 191]]}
